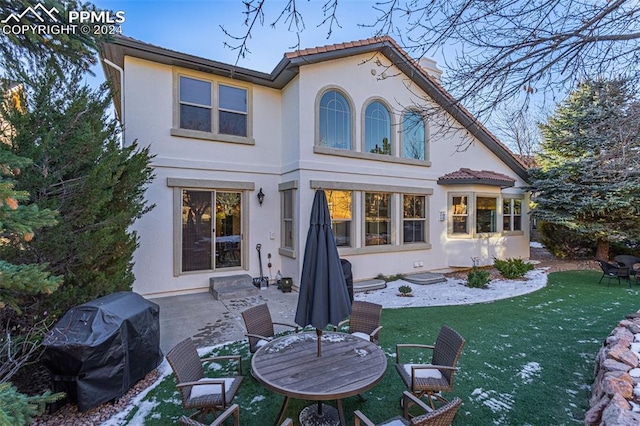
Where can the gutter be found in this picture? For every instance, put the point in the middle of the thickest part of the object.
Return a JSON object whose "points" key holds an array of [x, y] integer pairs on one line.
{"points": [[121, 72]]}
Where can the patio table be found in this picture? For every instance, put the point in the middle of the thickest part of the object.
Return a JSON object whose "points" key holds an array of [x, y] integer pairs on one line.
{"points": [[291, 367]]}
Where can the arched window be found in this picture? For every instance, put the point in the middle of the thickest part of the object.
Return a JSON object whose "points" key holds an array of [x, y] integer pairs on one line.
{"points": [[377, 129], [414, 141], [335, 121]]}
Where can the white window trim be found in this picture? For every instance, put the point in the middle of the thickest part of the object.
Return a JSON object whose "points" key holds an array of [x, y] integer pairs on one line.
{"points": [[214, 135], [425, 220], [358, 219], [180, 184], [522, 215], [291, 252]]}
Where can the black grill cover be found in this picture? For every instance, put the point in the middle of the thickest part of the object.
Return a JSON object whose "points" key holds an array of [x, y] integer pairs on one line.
{"points": [[99, 350]]}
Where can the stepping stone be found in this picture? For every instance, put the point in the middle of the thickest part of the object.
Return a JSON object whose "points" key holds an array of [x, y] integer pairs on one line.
{"points": [[232, 287], [368, 285], [424, 278]]}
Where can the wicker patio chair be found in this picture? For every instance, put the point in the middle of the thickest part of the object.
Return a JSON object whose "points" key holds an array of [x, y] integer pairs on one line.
{"points": [[610, 271], [631, 262], [364, 321], [436, 377], [259, 325], [443, 416], [234, 411], [205, 395]]}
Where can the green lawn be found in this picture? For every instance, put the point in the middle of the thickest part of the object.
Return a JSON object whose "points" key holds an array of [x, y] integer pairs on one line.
{"points": [[528, 360]]}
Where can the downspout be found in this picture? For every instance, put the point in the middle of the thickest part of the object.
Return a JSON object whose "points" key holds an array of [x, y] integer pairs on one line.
{"points": [[121, 71]]}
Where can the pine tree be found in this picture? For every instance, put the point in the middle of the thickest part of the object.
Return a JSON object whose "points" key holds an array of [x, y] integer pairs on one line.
{"points": [[79, 170], [589, 175]]}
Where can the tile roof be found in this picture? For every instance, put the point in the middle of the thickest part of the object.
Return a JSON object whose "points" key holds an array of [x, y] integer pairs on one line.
{"points": [[483, 177]]}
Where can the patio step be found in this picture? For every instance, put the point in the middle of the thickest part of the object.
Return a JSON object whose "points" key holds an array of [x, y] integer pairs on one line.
{"points": [[232, 287], [368, 285], [424, 278]]}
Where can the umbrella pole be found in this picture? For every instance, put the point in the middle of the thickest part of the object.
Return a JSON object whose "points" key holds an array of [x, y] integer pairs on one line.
{"points": [[319, 334]]}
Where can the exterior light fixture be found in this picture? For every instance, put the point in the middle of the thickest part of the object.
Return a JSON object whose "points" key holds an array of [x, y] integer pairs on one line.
{"points": [[260, 196]]}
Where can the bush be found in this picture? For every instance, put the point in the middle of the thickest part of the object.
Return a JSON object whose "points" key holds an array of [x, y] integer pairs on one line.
{"points": [[477, 278], [565, 243], [405, 290], [512, 268]]}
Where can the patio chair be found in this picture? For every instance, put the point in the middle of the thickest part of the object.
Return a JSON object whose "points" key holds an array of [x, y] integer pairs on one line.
{"points": [[205, 395], [631, 262], [443, 416], [364, 321], [610, 271], [259, 325], [436, 377], [233, 410]]}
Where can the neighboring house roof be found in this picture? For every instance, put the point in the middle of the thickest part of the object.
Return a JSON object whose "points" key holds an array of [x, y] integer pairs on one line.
{"points": [[466, 176], [287, 69]]}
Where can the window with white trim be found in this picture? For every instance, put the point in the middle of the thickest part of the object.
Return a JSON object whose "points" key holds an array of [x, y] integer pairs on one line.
{"points": [[414, 219], [459, 214], [232, 110], [512, 214], [486, 214], [287, 237], [377, 218], [340, 209]]}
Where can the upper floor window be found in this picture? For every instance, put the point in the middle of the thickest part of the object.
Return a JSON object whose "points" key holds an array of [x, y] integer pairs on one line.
{"points": [[232, 110], [208, 109], [195, 104], [335, 121], [414, 139], [377, 129]]}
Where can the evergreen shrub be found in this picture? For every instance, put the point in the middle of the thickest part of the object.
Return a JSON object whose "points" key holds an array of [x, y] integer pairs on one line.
{"points": [[512, 268]]}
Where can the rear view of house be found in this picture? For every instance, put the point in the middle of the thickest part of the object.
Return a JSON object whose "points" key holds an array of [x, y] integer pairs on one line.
{"points": [[239, 154]]}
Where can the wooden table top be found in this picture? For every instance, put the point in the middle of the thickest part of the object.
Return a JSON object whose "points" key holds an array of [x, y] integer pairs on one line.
{"points": [[290, 366]]}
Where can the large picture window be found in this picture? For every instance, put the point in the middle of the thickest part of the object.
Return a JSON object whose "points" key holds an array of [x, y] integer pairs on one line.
{"points": [[340, 210], [335, 121], [413, 136], [414, 223], [377, 218], [377, 129]]}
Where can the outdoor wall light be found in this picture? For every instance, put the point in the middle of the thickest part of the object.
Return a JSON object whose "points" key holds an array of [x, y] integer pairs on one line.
{"points": [[260, 196]]}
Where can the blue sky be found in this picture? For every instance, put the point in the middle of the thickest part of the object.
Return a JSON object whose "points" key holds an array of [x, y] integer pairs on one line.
{"points": [[194, 27]]}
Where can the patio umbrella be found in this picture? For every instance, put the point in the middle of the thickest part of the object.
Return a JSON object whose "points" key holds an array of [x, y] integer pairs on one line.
{"points": [[324, 298]]}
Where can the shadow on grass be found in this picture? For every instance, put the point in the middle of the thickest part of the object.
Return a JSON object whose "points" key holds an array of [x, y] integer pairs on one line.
{"points": [[528, 360]]}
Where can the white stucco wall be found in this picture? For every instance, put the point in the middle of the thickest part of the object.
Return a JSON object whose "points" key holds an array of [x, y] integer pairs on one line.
{"points": [[284, 130]]}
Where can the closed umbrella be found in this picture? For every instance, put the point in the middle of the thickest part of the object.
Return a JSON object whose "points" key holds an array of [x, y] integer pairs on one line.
{"points": [[324, 298]]}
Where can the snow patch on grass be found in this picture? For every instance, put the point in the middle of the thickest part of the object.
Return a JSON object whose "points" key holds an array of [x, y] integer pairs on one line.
{"points": [[530, 371], [495, 401]]}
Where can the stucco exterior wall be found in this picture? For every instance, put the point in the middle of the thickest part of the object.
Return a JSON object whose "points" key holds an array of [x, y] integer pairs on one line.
{"points": [[284, 151]]}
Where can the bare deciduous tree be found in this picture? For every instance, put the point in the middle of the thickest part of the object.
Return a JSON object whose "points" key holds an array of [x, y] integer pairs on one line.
{"points": [[504, 48]]}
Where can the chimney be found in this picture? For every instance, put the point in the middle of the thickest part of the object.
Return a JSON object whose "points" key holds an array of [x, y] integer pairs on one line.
{"points": [[431, 67]]}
